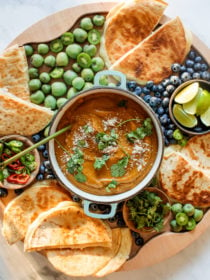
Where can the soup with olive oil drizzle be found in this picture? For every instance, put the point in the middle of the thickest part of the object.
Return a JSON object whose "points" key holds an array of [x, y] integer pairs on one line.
{"points": [[110, 147]]}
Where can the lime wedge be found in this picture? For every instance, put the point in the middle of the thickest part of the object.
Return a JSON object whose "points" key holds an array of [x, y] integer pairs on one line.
{"points": [[191, 106], [187, 93], [203, 102], [205, 117], [184, 118]]}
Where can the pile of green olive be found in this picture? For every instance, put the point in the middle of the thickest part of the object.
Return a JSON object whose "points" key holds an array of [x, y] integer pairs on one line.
{"points": [[60, 69], [185, 217]]}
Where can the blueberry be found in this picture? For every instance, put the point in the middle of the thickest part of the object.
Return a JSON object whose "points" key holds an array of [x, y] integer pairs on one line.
{"points": [[189, 63], [197, 66], [166, 141], [149, 84], [118, 215], [145, 90], [205, 75], [93, 206], [196, 75], [165, 94], [163, 129], [153, 101], [40, 177], [172, 141], [48, 171], [42, 168], [185, 76], [171, 126], [3, 192], [147, 98], [19, 191], [121, 223], [138, 90], [154, 88], [198, 59], [76, 198], [112, 220], [165, 82], [45, 154], [169, 133], [198, 129], [47, 164], [50, 176], [190, 70], [170, 89], [160, 111], [175, 80], [131, 85], [204, 67], [160, 88], [182, 68], [135, 234], [157, 94], [192, 55], [41, 148], [164, 119], [139, 241], [165, 102], [175, 67], [36, 138]]}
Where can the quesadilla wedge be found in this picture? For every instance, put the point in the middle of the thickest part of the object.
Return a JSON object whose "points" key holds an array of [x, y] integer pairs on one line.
{"points": [[152, 58], [25, 208], [128, 24], [86, 262], [18, 116], [14, 72], [66, 227]]}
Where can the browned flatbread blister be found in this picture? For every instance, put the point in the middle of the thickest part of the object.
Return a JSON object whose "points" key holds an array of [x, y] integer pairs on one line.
{"points": [[14, 72], [152, 58], [126, 25]]}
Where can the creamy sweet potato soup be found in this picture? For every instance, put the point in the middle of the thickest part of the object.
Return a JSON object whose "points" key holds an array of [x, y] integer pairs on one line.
{"points": [[110, 147]]}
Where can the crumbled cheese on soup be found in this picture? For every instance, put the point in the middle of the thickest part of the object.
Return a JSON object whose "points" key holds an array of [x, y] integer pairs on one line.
{"points": [[139, 154], [109, 123]]}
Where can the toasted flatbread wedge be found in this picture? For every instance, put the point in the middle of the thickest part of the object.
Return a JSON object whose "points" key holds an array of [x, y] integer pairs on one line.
{"points": [[25, 208], [86, 262], [152, 58], [183, 181], [126, 25], [18, 116], [66, 226], [14, 72], [122, 255]]}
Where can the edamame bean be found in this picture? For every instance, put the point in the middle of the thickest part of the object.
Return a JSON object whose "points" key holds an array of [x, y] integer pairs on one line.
{"points": [[33, 73], [43, 48], [46, 88], [62, 59], [73, 50], [58, 89], [87, 85], [80, 35], [37, 97], [98, 20], [90, 50], [71, 92], [87, 74], [57, 73], [75, 66], [44, 77], [61, 101], [78, 83], [28, 50], [49, 61], [34, 84], [69, 76], [97, 64], [37, 60], [103, 80], [50, 102], [86, 23]]}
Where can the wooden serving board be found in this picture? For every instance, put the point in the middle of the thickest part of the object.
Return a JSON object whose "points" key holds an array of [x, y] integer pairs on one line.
{"points": [[157, 248]]}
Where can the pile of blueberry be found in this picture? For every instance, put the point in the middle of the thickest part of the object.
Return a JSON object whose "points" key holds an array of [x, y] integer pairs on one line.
{"points": [[45, 169], [158, 95]]}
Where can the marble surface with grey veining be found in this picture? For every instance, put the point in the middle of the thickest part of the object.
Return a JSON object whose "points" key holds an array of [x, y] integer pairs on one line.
{"points": [[193, 263]]}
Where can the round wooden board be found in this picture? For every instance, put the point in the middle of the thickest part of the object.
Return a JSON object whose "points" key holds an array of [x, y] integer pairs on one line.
{"points": [[166, 244]]}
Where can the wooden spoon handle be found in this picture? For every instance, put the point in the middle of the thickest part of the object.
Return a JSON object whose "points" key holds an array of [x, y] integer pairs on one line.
{"points": [[166, 245]]}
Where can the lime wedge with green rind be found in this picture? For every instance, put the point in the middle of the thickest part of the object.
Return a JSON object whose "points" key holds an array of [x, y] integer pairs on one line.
{"points": [[184, 118], [191, 106], [187, 93], [203, 102], [205, 117]]}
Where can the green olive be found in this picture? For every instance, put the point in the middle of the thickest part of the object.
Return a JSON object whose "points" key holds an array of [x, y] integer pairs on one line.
{"points": [[73, 50], [33, 73], [98, 20], [87, 85], [189, 209], [62, 59], [71, 92], [34, 84], [67, 38], [175, 227], [86, 23], [49, 61], [46, 88], [97, 64], [43, 48], [78, 83], [181, 219], [28, 50], [37, 97], [87, 74], [58, 89], [61, 101], [69, 76], [80, 35], [44, 77], [37, 60], [75, 66], [191, 224], [176, 208], [90, 50], [56, 45], [50, 102], [198, 215]]}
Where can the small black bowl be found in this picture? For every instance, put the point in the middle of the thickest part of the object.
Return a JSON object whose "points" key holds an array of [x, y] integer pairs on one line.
{"points": [[200, 128]]}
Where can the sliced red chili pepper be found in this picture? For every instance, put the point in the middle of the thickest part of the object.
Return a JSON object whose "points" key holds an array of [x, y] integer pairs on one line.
{"points": [[18, 178], [5, 156], [15, 165]]}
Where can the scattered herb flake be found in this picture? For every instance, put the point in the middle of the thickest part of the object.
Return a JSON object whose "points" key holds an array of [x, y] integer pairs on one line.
{"points": [[105, 140], [100, 162], [119, 169], [141, 132], [75, 165], [111, 185]]}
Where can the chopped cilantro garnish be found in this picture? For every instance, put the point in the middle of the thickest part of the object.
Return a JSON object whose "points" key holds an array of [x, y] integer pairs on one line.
{"points": [[119, 169], [82, 143], [75, 165], [111, 185], [87, 128], [141, 132], [80, 177], [100, 162], [105, 140]]}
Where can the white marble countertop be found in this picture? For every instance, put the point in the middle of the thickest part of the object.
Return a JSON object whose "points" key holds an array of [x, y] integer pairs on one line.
{"points": [[193, 262]]}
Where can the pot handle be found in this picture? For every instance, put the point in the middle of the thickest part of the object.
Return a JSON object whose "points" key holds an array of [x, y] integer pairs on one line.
{"points": [[116, 74], [86, 204]]}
